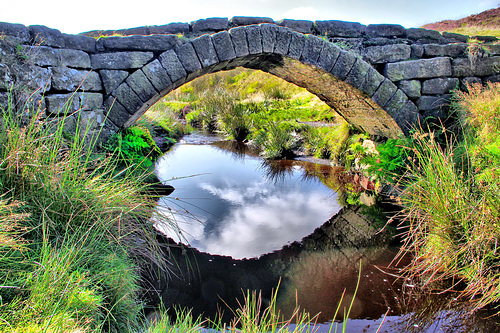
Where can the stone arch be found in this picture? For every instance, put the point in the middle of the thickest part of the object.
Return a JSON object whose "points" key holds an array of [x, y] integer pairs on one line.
{"points": [[348, 84]]}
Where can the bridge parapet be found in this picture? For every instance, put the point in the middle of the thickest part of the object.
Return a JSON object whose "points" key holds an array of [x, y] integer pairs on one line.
{"points": [[409, 73]]}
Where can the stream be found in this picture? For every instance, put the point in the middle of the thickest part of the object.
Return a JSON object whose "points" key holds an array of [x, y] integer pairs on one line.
{"points": [[243, 223]]}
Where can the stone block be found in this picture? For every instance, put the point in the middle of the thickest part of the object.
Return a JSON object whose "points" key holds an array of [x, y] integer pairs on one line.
{"points": [[112, 79], [42, 56], [91, 119], [426, 102], [269, 32], [340, 28], [223, 46], [328, 56], [492, 79], [6, 78], [172, 65], [384, 93], [60, 104], [4, 101], [205, 50], [493, 49], [187, 56], [128, 98], [213, 24], [254, 38], [302, 26], [157, 75], [240, 42], [396, 103], [80, 42], [477, 67], [417, 51], [466, 81], [412, 88], [133, 31], [297, 42], [138, 43], [343, 64], [74, 59], [406, 117], [372, 82], [439, 86], [486, 39], [33, 102], [120, 60], [34, 78], [420, 33], [358, 73], [90, 100], [68, 124], [381, 41], [116, 112], [141, 85], [387, 53], [70, 79], [385, 30], [283, 38], [18, 31], [41, 35], [312, 49], [456, 37], [450, 50], [171, 28], [249, 20], [418, 69]]}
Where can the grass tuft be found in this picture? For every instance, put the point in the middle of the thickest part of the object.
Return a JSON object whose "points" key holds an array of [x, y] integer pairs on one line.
{"points": [[70, 232]]}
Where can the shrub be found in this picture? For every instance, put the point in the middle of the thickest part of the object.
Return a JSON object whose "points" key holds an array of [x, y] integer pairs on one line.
{"points": [[391, 159], [278, 140], [452, 199], [133, 146]]}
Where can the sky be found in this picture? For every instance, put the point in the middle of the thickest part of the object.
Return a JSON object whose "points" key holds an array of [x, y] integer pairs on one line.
{"points": [[80, 16]]}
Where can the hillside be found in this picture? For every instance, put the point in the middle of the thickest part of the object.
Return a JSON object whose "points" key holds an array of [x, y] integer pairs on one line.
{"points": [[486, 23]]}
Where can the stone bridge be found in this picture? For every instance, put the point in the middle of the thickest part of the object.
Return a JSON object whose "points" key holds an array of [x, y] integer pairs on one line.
{"points": [[381, 78]]}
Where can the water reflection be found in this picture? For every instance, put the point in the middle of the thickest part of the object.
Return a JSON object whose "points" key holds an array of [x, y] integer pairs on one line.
{"points": [[317, 281], [235, 205]]}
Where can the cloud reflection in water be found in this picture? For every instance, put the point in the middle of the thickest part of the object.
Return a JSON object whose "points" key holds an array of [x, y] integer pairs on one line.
{"points": [[240, 211]]}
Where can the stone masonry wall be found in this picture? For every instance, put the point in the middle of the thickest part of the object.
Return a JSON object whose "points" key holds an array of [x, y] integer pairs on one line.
{"points": [[78, 73]]}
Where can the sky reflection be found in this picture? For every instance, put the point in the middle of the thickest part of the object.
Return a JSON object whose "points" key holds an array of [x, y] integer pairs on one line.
{"points": [[233, 208]]}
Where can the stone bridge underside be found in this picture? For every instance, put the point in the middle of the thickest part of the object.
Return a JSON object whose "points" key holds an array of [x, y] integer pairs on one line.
{"points": [[382, 80]]}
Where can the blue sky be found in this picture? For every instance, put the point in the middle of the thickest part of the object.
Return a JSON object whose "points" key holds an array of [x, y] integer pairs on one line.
{"points": [[80, 16]]}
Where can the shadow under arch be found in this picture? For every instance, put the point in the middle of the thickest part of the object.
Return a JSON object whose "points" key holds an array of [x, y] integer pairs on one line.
{"points": [[349, 85]]}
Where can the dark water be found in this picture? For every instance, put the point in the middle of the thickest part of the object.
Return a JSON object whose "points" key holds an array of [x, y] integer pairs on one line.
{"points": [[237, 205], [230, 202]]}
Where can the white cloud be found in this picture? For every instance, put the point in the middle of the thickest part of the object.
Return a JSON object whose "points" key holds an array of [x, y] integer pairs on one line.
{"points": [[266, 225]]}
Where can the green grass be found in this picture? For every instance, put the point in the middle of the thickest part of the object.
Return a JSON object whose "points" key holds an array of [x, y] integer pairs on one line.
{"points": [[452, 200], [70, 233], [477, 31], [252, 105]]}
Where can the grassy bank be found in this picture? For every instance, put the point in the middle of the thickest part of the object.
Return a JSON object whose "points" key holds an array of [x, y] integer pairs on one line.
{"points": [[451, 198], [272, 114], [72, 234]]}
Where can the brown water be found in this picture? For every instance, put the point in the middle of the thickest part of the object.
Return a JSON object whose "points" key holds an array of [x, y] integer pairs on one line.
{"points": [[229, 202]]}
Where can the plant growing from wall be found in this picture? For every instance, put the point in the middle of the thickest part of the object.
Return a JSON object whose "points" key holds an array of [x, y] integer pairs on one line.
{"points": [[133, 146]]}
